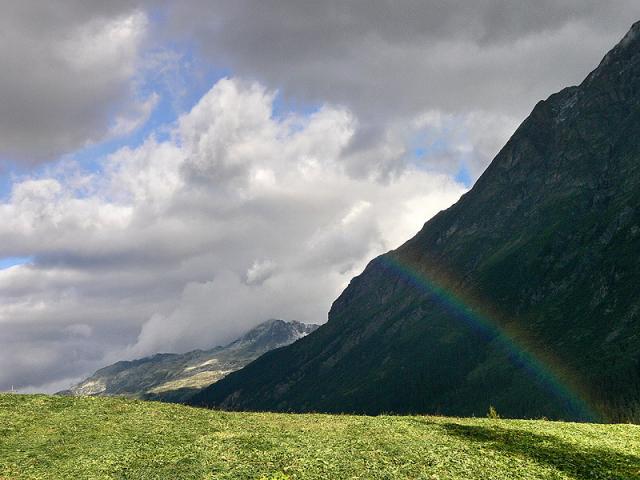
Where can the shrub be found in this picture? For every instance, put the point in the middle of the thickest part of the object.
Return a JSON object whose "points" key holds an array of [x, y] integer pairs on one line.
{"points": [[492, 413]]}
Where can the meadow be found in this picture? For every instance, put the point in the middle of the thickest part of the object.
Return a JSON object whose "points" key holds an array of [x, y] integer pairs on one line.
{"points": [[48, 437]]}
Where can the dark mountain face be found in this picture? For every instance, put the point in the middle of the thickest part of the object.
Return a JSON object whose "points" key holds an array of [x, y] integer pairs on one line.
{"points": [[175, 377], [524, 295]]}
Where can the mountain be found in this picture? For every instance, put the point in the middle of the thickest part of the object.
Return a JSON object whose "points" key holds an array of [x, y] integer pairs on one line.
{"points": [[175, 377], [524, 295]]}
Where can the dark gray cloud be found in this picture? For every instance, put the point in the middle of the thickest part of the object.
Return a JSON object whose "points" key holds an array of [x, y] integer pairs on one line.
{"points": [[385, 59], [67, 74]]}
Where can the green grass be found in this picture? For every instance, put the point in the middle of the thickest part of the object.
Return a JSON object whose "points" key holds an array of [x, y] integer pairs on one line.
{"points": [[48, 437]]}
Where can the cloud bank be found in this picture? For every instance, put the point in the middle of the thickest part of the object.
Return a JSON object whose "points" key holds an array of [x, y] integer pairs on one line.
{"points": [[393, 60], [241, 215]]}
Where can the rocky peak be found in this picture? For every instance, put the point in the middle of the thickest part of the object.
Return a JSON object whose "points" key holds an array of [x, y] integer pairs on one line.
{"points": [[272, 334], [174, 377], [622, 60]]}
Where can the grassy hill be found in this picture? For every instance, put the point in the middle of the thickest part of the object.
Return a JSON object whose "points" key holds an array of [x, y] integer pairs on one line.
{"points": [[48, 437]]}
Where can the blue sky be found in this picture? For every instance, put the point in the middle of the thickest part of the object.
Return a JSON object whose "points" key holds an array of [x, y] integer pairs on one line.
{"points": [[7, 262]]}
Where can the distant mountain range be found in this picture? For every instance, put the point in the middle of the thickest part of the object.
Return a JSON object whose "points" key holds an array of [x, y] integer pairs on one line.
{"points": [[524, 295], [175, 377]]}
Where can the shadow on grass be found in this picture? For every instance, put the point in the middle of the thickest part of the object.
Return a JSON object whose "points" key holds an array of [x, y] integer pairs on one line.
{"points": [[580, 463]]}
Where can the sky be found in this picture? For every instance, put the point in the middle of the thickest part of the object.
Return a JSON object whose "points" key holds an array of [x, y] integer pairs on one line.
{"points": [[173, 173]]}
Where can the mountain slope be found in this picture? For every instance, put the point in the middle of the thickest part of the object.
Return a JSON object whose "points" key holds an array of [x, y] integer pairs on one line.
{"points": [[523, 295], [175, 377]]}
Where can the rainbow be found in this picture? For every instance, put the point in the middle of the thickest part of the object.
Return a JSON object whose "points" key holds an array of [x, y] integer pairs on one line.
{"points": [[547, 374]]}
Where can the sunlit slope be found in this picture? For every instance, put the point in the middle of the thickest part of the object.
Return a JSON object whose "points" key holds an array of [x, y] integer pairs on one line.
{"points": [[83, 437]]}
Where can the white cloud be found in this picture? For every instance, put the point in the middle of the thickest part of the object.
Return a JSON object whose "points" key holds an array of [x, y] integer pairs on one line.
{"points": [[104, 45], [133, 118], [240, 216], [260, 271], [455, 141]]}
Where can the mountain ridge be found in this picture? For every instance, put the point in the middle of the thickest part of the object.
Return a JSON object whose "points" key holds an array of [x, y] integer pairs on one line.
{"points": [[175, 376]]}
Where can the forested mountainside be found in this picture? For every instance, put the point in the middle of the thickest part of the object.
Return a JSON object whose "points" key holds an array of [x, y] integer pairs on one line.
{"points": [[524, 295]]}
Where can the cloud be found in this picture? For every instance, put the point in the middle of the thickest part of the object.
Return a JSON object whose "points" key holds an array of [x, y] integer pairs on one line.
{"points": [[239, 216], [455, 142], [68, 69], [133, 118], [386, 59], [388, 62]]}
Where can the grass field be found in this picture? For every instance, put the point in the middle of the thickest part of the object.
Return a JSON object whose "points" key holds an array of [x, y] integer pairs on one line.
{"points": [[48, 437]]}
